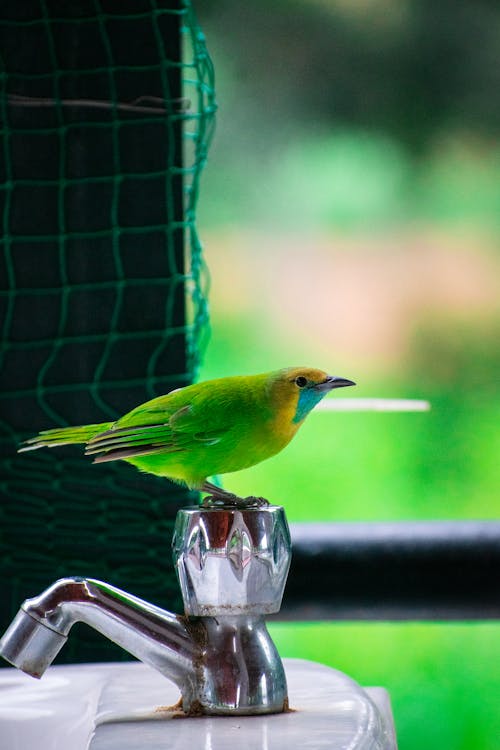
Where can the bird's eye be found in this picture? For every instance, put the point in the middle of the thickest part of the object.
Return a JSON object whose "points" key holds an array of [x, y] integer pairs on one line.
{"points": [[301, 381]]}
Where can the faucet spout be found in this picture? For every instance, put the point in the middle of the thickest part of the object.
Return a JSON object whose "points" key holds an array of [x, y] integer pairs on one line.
{"points": [[153, 635]]}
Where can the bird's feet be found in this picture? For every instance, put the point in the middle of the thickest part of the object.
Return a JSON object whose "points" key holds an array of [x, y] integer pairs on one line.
{"points": [[219, 498], [254, 502]]}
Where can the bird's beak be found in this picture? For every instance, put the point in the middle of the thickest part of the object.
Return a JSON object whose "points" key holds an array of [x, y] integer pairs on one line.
{"points": [[332, 381]]}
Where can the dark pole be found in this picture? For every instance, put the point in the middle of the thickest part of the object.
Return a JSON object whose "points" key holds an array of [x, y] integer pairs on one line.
{"points": [[421, 570]]}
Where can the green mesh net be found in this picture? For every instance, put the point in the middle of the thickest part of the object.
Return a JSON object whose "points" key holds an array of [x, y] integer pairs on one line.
{"points": [[106, 113]]}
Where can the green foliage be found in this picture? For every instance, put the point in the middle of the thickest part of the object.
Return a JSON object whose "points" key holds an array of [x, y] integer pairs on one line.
{"points": [[352, 179], [443, 685], [411, 69]]}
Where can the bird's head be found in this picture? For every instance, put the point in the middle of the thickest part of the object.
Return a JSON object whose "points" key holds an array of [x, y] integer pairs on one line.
{"points": [[304, 387]]}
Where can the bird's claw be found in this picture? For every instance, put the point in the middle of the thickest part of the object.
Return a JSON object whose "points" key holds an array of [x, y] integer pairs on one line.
{"points": [[254, 502], [229, 500], [216, 501]]}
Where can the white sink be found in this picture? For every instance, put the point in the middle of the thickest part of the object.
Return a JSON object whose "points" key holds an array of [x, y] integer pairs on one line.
{"points": [[58, 711], [124, 707]]}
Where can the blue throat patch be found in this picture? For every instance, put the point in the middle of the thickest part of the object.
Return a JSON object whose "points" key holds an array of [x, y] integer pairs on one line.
{"points": [[308, 398]]}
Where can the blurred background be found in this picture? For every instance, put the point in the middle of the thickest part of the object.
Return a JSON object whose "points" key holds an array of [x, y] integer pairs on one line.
{"points": [[350, 218]]}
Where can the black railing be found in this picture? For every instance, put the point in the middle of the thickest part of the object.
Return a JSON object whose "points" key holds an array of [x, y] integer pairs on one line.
{"points": [[423, 570]]}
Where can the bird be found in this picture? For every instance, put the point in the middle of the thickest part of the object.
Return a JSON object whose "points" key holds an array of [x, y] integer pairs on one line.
{"points": [[205, 429]]}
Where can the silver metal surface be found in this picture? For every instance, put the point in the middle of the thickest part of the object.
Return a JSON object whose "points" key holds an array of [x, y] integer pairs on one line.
{"points": [[153, 635], [241, 671], [231, 561], [232, 566], [31, 645]]}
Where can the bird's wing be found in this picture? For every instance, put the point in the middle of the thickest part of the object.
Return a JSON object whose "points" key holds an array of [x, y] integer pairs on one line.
{"points": [[180, 432]]}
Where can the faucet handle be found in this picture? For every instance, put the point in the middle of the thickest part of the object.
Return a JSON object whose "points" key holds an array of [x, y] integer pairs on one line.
{"points": [[232, 561]]}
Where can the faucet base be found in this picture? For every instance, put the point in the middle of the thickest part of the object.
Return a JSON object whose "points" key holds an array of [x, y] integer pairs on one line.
{"points": [[239, 671]]}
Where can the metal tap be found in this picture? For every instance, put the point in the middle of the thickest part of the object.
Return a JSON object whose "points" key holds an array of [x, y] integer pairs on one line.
{"points": [[232, 566]]}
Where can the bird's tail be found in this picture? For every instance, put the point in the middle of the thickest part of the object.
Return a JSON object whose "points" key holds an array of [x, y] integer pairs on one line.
{"points": [[63, 436]]}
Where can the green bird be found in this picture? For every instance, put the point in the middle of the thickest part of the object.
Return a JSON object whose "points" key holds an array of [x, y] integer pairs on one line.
{"points": [[210, 428]]}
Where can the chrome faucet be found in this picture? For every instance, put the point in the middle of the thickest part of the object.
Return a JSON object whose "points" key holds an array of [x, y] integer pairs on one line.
{"points": [[232, 566]]}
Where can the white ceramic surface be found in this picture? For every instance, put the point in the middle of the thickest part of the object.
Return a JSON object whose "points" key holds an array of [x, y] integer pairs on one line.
{"points": [[120, 707]]}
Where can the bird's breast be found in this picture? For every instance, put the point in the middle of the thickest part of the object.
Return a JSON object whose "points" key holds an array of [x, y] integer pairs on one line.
{"points": [[281, 426]]}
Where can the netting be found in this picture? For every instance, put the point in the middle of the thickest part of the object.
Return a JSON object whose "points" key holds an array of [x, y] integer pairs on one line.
{"points": [[106, 112]]}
